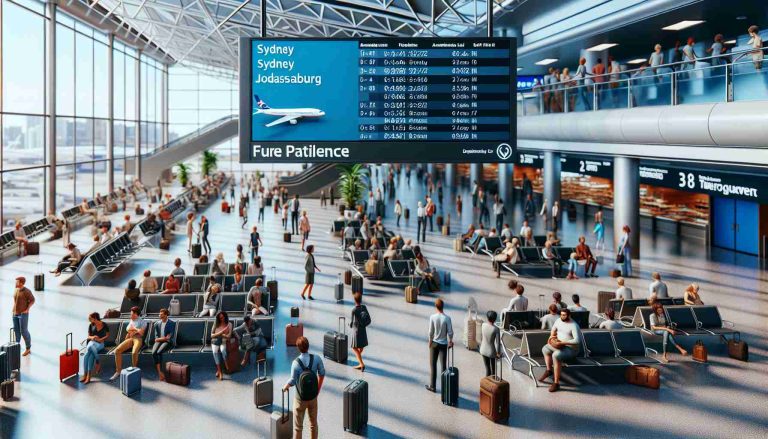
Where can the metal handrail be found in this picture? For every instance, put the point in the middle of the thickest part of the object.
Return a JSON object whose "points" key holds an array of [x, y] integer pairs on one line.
{"points": [[590, 76], [198, 132]]}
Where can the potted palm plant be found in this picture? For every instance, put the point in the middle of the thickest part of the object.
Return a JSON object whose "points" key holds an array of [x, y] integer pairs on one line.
{"points": [[182, 173], [209, 162], [351, 186]]}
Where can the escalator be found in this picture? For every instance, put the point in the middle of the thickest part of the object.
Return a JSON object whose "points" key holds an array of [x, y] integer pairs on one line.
{"points": [[208, 136], [309, 182]]}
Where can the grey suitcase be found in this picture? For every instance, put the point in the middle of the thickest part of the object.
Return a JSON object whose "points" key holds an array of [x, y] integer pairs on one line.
{"points": [[281, 421], [13, 351], [338, 292], [356, 406], [130, 381], [335, 343], [262, 387]]}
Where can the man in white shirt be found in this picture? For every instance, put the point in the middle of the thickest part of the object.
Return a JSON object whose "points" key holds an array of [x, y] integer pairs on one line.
{"points": [[421, 223], [506, 233], [498, 213], [525, 231], [576, 304], [623, 292], [564, 348], [658, 286], [519, 302]]}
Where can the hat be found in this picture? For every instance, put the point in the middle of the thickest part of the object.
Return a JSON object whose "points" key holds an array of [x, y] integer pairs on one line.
{"points": [[22, 279]]}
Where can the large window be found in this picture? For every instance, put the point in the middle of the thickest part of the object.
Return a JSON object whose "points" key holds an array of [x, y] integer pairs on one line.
{"points": [[82, 110]]}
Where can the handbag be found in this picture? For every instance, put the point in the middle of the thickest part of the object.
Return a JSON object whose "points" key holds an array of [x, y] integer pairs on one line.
{"points": [[247, 342], [620, 258]]}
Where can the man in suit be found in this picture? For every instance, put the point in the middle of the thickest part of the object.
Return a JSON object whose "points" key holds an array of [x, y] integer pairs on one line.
{"points": [[204, 233], [164, 331], [295, 214]]}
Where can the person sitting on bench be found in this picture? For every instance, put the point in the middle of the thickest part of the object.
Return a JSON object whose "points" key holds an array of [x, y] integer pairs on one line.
{"points": [[256, 268], [391, 252], [219, 266], [85, 209], [657, 285], [164, 335], [576, 305], [519, 302], [659, 326], [357, 245], [408, 245], [583, 253], [211, 301], [548, 321], [691, 295], [551, 257], [469, 234], [177, 270], [609, 322], [563, 345], [70, 260], [506, 233], [21, 238], [623, 292], [509, 255], [171, 285], [254, 303], [557, 299], [251, 339], [374, 245], [552, 237], [426, 272], [149, 283], [132, 293]]}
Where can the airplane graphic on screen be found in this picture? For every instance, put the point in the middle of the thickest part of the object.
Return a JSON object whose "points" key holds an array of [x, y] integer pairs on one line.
{"points": [[290, 115]]}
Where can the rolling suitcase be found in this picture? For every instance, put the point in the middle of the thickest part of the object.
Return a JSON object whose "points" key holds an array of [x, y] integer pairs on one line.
{"points": [[197, 250], [174, 307], [286, 237], [272, 286], [12, 351], [281, 422], [348, 277], [449, 384], [292, 332], [262, 386], [738, 349], [6, 390], [355, 406], [335, 343], [446, 230], [233, 355], [407, 213], [412, 292], [699, 354], [39, 277], [224, 207], [447, 278], [470, 330], [165, 244], [494, 397], [130, 381], [33, 248], [440, 221], [458, 244], [644, 376], [5, 372], [615, 273], [69, 361], [177, 373], [604, 299], [338, 290], [357, 284]]}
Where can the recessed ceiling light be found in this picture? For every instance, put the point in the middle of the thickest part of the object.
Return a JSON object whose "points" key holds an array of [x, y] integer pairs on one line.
{"points": [[637, 61], [601, 47], [685, 24], [730, 42], [519, 68], [741, 17], [546, 61]]}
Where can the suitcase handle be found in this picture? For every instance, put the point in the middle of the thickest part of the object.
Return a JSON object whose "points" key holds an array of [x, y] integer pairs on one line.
{"points": [[343, 326], [11, 338], [258, 375], [283, 411], [274, 273], [499, 365], [69, 349]]}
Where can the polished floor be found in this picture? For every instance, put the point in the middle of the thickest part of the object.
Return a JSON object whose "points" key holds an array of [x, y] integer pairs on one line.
{"points": [[724, 398]]}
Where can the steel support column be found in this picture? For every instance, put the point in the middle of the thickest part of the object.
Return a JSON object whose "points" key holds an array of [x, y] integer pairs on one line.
{"points": [[626, 201], [50, 132], [110, 115], [552, 168]]}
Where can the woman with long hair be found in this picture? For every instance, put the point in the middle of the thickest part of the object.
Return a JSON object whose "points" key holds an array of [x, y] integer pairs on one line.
{"points": [[222, 331]]}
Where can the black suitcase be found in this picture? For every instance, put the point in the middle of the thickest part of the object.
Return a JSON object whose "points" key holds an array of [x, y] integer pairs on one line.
{"points": [[355, 406], [272, 286], [39, 282], [5, 371], [295, 312], [286, 237], [197, 250], [449, 384], [6, 390], [357, 284], [12, 350], [335, 343]]}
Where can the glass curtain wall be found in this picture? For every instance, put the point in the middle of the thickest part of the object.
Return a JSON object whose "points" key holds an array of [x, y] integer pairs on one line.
{"points": [[195, 100], [82, 110]]}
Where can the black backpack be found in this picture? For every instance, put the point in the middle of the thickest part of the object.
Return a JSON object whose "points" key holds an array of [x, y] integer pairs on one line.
{"points": [[307, 386], [365, 318]]}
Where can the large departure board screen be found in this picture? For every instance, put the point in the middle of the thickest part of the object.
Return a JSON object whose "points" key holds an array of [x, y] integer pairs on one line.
{"points": [[377, 100]]}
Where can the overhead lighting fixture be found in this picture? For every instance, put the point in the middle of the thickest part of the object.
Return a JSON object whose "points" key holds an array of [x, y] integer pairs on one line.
{"points": [[519, 68], [637, 61], [685, 24], [741, 17], [601, 47], [546, 61], [730, 42]]}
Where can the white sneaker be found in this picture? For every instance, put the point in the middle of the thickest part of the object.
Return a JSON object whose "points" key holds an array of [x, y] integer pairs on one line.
{"points": [[115, 376]]}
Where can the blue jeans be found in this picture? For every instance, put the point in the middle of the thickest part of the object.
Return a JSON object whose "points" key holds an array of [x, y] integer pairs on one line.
{"points": [[572, 265], [91, 355], [667, 338], [20, 328], [626, 268], [219, 353]]}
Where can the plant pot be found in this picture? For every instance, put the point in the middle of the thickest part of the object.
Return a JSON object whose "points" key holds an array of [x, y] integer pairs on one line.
{"points": [[342, 208]]}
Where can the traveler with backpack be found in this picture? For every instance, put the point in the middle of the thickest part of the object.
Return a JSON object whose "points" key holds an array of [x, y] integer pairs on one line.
{"points": [[307, 374], [359, 321]]}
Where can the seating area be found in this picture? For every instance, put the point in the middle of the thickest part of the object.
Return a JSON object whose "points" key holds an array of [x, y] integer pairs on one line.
{"points": [[32, 230], [107, 258], [688, 321], [533, 264]]}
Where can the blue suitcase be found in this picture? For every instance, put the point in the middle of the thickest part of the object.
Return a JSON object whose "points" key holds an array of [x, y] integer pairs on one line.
{"points": [[130, 381], [13, 351]]}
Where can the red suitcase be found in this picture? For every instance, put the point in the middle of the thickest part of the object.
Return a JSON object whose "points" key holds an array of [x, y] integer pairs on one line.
{"points": [[233, 355], [293, 332], [177, 373], [69, 361], [224, 207]]}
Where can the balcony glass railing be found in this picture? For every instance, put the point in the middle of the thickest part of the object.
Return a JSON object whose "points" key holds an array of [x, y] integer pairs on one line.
{"points": [[194, 134], [737, 76]]}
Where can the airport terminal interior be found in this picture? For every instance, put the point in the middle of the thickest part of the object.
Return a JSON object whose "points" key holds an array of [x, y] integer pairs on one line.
{"points": [[480, 219]]}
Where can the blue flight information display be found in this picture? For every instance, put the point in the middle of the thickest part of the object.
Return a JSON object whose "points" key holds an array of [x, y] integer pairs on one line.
{"points": [[377, 99]]}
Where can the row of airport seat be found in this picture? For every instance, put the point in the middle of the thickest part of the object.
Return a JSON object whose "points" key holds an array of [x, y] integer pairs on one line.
{"points": [[532, 261], [32, 230], [200, 283], [191, 304], [703, 320]]}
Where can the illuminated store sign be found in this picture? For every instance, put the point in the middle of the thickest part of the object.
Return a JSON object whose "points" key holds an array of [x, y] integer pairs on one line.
{"points": [[719, 184]]}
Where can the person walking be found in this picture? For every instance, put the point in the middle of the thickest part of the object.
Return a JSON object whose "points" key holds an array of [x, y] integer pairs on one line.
{"points": [[482, 201], [304, 228], [440, 339], [23, 299], [429, 210], [624, 253], [323, 201], [255, 242], [359, 321], [295, 205], [498, 212], [459, 205], [398, 211], [204, 232], [190, 230], [309, 272], [262, 205], [543, 213], [555, 216], [421, 232], [307, 374], [529, 208], [490, 345]]}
